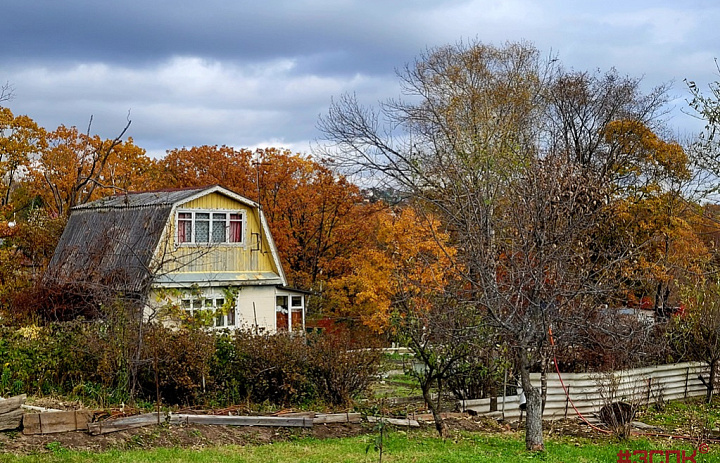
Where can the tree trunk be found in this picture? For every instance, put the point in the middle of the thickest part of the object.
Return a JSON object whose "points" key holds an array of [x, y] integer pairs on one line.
{"points": [[711, 382], [533, 411], [439, 423], [545, 364]]}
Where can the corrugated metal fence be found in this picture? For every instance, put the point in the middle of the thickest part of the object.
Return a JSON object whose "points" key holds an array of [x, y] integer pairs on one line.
{"points": [[591, 391]]}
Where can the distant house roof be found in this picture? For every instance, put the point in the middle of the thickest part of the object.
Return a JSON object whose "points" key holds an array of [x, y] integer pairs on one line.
{"points": [[110, 243]]}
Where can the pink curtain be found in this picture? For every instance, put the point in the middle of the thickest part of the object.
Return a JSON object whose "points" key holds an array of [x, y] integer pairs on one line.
{"points": [[184, 227], [235, 228]]}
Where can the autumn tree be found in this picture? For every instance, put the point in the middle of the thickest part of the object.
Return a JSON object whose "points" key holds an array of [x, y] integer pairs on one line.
{"points": [[129, 168], [208, 165], [652, 212], [401, 283], [27, 234], [582, 107], [20, 139], [403, 265], [75, 167], [321, 218], [604, 122], [474, 142]]}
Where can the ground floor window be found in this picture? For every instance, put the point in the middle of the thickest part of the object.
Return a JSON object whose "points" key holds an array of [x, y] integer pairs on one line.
{"points": [[296, 313], [289, 312], [212, 308], [281, 313]]}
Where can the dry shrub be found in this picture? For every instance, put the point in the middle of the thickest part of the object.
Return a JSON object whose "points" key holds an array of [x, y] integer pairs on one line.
{"points": [[181, 359], [121, 360], [621, 398], [275, 368], [341, 368], [290, 370]]}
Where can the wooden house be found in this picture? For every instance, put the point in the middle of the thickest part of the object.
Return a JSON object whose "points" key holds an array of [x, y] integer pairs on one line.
{"points": [[200, 250]]}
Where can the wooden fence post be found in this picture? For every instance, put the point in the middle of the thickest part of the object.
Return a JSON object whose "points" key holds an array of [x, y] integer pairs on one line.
{"points": [[567, 400]]}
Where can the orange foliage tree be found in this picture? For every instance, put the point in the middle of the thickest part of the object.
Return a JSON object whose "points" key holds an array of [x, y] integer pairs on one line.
{"points": [[651, 210], [209, 165], [410, 260], [20, 137], [76, 168]]}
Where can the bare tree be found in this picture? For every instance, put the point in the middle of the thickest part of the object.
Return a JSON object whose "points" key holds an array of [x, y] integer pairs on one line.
{"points": [[475, 143], [441, 335], [6, 92], [583, 104]]}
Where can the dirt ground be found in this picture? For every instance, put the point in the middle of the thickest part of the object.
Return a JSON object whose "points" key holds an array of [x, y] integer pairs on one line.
{"points": [[193, 436], [199, 436]]}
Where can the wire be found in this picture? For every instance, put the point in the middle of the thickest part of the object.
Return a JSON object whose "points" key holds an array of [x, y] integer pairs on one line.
{"points": [[567, 394]]}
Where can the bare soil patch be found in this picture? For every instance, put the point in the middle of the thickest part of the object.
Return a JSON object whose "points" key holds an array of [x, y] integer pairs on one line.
{"points": [[194, 436], [200, 436]]}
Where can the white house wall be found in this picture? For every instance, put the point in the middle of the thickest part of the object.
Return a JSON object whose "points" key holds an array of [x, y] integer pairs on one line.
{"points": [[253, 303], [263, 298]]}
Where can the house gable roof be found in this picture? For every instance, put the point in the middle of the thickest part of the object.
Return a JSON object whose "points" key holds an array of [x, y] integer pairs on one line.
{"points": [[109, 248], [111, 242]]}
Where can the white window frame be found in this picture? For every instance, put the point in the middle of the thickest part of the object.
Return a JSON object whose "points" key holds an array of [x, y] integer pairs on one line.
{"points": [[210, 302], [291, 306], [193, 221]]}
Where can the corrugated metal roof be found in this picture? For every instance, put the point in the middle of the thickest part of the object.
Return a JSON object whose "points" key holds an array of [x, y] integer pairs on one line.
{"points": [[111, 248], [144, 199]]}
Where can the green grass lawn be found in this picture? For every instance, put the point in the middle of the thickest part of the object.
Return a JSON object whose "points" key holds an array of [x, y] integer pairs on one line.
{"points": [[692, 413], [396, 386], [399, 447]]}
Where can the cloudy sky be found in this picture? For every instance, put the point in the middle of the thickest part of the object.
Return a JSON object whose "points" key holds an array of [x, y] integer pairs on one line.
{"points": [[258, 73]]}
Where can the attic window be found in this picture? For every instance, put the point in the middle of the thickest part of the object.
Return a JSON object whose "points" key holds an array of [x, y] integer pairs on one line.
{"points": [[203, 227]]}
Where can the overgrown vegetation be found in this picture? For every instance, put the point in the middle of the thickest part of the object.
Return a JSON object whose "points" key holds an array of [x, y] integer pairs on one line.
{"points": [[94, 362]]}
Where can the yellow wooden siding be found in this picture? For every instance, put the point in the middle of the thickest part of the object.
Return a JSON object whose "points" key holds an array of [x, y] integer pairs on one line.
{"points": [[214, 201], [218, 257]]}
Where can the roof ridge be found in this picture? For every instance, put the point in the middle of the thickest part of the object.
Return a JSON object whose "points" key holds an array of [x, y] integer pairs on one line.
{"points": [[167, 190], [161, 197]]}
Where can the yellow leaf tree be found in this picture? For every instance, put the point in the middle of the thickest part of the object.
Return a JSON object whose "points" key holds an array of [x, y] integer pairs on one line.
{"points": [[654, 214], [20, 138], [409, 259]]}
